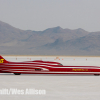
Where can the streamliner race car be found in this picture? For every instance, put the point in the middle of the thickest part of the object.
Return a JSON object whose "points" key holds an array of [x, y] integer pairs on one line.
{"points": [[44, 67]]}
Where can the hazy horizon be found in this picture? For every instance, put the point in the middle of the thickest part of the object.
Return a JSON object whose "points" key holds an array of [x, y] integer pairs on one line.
{"points": [[39, 15]]}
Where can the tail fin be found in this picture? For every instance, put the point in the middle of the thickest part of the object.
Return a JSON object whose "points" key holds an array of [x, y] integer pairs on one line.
{"points": [[2, 60]]}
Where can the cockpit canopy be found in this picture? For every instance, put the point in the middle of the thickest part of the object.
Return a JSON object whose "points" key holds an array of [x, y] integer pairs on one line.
{"points": [[60, 64]]}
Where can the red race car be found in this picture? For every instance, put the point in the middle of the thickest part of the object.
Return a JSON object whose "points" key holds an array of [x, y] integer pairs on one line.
{"points": [[44, 67]]}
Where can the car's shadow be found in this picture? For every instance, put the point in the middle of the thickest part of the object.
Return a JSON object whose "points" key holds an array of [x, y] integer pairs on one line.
{"points": [[47, 74]]}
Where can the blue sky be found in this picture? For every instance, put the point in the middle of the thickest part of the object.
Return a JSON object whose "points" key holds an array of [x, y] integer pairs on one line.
{"points": [[42, 14]]}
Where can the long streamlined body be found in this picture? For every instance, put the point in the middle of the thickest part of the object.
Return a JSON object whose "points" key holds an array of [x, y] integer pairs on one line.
{"points": [[44, 67]]}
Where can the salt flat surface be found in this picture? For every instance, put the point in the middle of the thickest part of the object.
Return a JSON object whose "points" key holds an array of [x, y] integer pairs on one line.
{"points": [[58, 87]]}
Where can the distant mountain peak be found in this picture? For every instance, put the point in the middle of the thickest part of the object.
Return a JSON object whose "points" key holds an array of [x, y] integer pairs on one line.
{"points": [[57, 29], [80, 29], [7, 27]]}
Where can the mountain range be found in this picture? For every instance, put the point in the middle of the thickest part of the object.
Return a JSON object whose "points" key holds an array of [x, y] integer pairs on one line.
{"points": [[52, 41]]}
